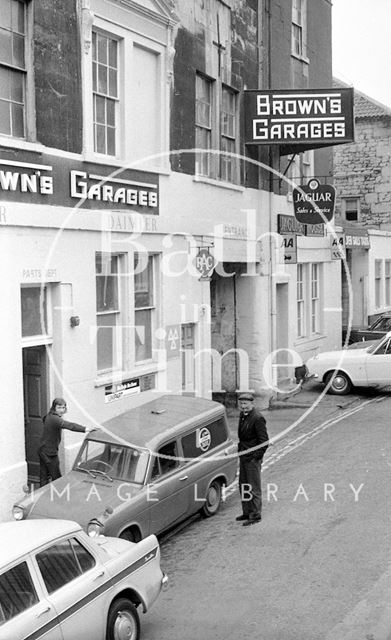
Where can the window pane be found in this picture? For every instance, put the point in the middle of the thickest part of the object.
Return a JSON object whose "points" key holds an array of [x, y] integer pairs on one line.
{"points": [[110, 113], [100, 109], [33, 302], [16, 87], [113, 83], [17, 121], [106, 340], [113, 53], [143, 282], [58, 565], [18, 9], [102, 79], [17, 592], [5, 46], [18, 50], [5, 118], [143, 322], [106, 283], [84, 559], [100, 146], [110, 142], [102, 49]]}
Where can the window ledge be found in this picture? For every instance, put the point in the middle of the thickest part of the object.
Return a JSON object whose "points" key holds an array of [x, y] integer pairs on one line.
{"points": [[118, 376], [136, 165], [302, 58], [306, 339], [218, 183]]}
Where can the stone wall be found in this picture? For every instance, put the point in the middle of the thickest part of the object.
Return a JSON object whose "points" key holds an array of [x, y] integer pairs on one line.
{"points": [[363, 169]]}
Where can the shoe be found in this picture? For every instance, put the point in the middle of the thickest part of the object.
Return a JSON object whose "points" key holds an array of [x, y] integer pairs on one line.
{"points": [[251, 521], [240, 518]]}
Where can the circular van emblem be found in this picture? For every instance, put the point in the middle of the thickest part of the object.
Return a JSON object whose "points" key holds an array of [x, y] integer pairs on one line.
{"points": [[204, 439]]}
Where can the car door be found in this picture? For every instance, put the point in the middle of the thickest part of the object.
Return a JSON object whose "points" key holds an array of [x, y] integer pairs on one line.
{"points": [[168, 489], [77, 584], [378, 364], [25, 612]]}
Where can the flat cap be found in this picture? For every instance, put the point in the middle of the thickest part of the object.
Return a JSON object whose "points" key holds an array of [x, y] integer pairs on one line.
{"points": [[246, 396]]}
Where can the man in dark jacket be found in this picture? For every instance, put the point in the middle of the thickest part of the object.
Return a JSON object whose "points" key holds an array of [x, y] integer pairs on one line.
{"points": [[253, 442], [53, 424]]}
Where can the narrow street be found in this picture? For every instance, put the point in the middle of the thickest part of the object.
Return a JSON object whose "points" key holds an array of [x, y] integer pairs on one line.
{"points": [[317, 564]]}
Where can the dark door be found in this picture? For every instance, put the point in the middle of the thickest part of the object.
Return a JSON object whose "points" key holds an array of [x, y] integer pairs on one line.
{"points": [[35, 405]]}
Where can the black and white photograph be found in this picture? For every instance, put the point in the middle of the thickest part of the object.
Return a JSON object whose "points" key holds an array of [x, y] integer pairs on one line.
{"points": [[195, 252]]}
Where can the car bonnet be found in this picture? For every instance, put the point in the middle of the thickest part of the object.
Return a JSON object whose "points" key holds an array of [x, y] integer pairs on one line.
{"points": [[80, 497]]}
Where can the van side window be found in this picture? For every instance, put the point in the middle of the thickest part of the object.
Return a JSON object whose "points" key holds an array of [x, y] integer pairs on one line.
{"points": [[163, 464], [205, 438], [17, 592]]}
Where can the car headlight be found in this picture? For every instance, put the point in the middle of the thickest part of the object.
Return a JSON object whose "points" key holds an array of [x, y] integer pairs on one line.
{"points": [[94, 529], [17, 512]]}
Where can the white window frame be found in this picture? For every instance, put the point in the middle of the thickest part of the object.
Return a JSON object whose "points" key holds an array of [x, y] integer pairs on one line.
{"points": [[107, 96], [119, 313], [387, 282], [300, 301], [127, 37], [308, 299], [299, 29], [47, 337], [152, 259], [378, 283], [28, 101], [218, 166], [346, 209], [315, 298]]}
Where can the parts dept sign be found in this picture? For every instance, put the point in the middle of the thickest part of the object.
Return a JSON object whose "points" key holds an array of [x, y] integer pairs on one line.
{"points": [[43, 179], [308, 118], [314, 203]]}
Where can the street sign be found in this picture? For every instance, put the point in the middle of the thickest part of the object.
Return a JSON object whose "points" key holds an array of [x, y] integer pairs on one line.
{"points": [[289, 245], [337, 246], [204, 263], [314, 203]]}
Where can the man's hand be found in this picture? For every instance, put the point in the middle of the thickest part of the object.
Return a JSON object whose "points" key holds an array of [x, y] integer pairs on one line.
{"points": [[89, 429]]}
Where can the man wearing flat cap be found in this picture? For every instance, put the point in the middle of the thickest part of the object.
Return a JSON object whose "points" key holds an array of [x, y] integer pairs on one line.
{"points": [[253, 442]]}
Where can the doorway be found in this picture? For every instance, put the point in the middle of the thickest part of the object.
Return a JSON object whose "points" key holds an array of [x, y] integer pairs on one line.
{"points": [[188, 360], [35, 405]]}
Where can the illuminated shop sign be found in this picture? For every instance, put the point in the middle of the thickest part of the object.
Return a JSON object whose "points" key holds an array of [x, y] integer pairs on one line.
{"points": [[307, 118], [42, 179]]}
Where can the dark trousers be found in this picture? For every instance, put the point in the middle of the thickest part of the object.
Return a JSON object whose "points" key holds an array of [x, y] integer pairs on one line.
{"points": [[49, 468], [250, 486]]}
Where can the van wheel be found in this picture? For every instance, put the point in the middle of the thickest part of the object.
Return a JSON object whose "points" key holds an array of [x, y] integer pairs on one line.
{"points": [[123, 622], [212, 499], [132, 535]]}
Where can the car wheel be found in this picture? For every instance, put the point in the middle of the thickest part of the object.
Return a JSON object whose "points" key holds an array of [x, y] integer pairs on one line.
{"points": [[340, 385], [132, 535], [123, 622], [212, 499]]}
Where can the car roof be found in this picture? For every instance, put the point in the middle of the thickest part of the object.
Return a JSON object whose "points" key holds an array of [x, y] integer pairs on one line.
{"points": [[159, 417], [21, 537]]}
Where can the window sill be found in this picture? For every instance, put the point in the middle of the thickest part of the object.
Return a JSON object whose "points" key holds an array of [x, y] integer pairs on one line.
{"points": [[136, 165], [218, 183], [306, 339], [302, 58], [118, 376]]}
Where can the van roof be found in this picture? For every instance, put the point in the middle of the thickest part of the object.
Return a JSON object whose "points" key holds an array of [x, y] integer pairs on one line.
{"points": [[21, 537], [148, 424]]}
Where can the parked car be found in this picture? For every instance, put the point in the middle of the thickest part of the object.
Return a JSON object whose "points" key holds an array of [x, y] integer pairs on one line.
{"points": [[56, 583], [376, 330], [368, 366], [144, 471]]}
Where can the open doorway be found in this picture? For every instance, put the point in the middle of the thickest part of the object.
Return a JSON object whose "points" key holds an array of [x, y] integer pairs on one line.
{"points": [[35, 405]]}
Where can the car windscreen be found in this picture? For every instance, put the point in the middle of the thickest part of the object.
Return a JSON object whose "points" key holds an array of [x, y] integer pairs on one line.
{"points": [[112, 460]]}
